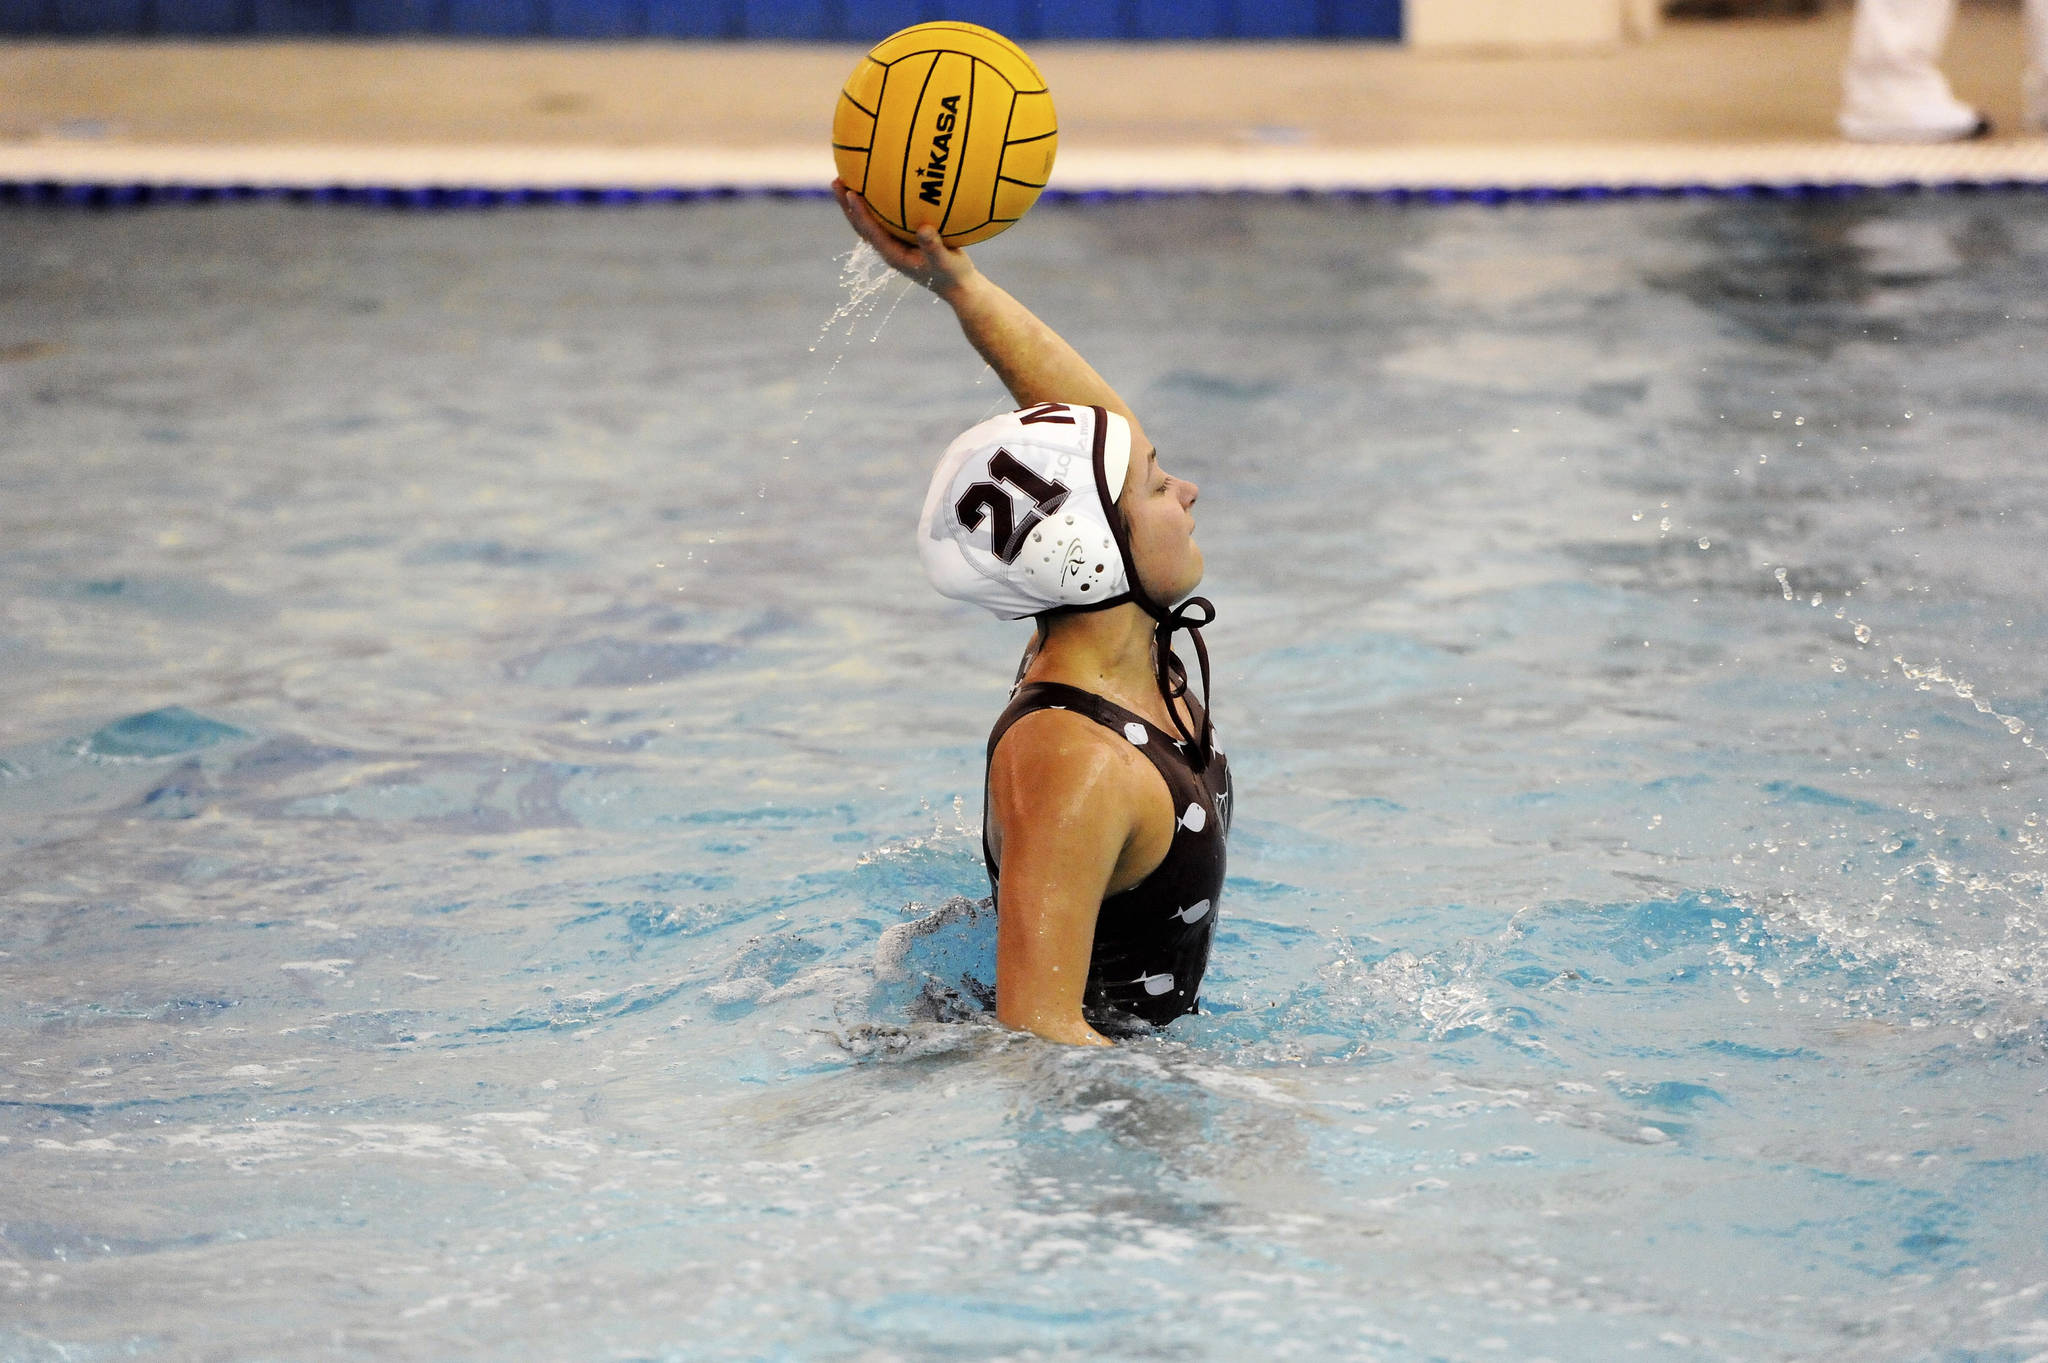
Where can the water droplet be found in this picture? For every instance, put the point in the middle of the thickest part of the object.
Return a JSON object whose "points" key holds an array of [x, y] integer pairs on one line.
{"points": [[1635, 515], [1862, 633], [1664, 524], [1705, 543], [1838, 665], [1776, 415], [1798, 421]]}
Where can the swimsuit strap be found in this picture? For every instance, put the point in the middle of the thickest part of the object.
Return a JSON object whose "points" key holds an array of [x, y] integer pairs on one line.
{"points": [[1032, 697], [1171, 759]]}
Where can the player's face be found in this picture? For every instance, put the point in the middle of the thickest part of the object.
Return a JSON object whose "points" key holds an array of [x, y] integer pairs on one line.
{"points": [[1159, 511]]}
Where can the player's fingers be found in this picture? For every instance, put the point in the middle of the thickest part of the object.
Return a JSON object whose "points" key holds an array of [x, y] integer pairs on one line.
{"points": [[853, 217], [871, 231], [864, 221], [936, 252], [892, 249], [856, 210], [854, 206]]}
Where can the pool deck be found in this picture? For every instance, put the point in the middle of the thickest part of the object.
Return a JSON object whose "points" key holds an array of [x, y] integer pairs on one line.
{"points": [[1702, 102]]}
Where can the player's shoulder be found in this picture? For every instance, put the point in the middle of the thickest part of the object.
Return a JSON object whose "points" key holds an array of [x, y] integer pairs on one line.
{"points": [[1056, 733], [1059, 753]]}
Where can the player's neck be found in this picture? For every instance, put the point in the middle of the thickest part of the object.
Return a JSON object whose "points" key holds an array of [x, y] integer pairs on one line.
{"points": [[1106, 652]]}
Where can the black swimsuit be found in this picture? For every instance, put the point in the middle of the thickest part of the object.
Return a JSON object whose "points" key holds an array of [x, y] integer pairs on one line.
{"points": [[1152, 940]]}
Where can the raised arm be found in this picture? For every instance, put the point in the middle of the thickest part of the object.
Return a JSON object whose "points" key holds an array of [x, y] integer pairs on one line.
{"points": [[1034, 362]]}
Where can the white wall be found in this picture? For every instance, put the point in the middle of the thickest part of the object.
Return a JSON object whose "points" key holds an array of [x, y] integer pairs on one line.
{"points": [[1523, 25]]}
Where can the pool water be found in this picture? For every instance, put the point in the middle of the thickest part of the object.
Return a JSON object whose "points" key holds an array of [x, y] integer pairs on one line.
{"points": [[486, 796]]}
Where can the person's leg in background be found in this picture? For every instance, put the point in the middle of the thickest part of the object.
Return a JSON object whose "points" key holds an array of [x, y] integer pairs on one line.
{"points": [[1892, 91]]}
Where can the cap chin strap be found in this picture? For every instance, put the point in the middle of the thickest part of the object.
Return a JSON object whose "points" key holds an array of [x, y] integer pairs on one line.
{"points": [[1173, 677]]}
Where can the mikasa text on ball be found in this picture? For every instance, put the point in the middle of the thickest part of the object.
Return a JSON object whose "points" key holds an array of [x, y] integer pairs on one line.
{"points": [[948, 124]]}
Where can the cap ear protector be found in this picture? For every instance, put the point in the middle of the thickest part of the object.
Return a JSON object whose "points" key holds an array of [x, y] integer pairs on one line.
{"points": [[1021, 514], [1021, 519]]}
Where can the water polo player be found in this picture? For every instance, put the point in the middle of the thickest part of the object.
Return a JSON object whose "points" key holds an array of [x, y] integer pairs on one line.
{"points": [[1106, 802]]}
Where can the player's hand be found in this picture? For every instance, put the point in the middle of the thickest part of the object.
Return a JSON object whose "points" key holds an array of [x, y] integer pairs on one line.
{"points": [[931, 262]]}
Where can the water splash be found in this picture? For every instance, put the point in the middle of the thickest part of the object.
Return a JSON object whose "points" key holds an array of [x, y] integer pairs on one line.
{"points": [[1993, 988], [1932, 677], [865, 278]]}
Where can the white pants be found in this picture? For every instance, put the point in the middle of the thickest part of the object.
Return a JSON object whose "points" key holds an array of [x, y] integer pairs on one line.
{"points": [[1893, 92]]}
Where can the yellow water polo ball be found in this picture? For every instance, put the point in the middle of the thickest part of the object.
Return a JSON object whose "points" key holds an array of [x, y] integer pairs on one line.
{"points": [[948, 124]]}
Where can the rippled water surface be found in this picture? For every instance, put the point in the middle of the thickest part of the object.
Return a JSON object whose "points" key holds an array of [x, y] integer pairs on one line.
{"points": [[482, 783]]}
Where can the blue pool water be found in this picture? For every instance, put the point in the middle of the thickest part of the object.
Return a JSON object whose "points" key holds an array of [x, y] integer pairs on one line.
{"points": [[485, 792]]}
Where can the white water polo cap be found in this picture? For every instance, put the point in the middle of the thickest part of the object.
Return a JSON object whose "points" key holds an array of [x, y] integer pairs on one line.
{"points": [[1021, 516]]}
